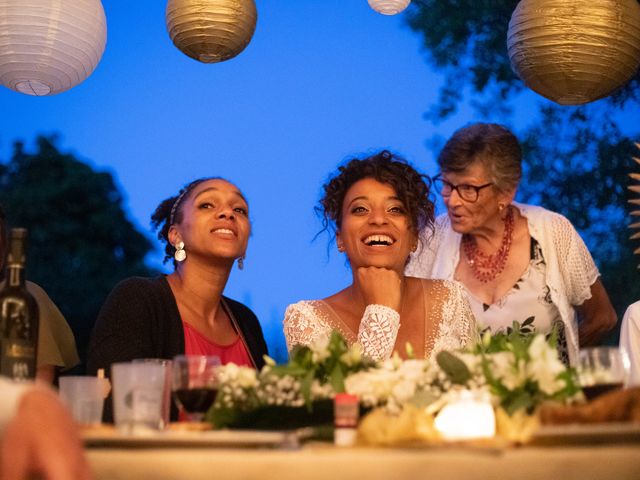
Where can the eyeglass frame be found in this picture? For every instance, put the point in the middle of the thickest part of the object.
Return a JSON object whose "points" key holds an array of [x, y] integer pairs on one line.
{"points": [[438, 179]]}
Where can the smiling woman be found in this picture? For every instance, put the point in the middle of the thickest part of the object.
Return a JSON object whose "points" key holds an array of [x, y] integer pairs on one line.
{"points": [[205, 229], [376, 206]]}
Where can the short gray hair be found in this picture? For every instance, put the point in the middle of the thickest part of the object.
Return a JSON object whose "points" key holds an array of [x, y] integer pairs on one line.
{"points": [[495, 146]]}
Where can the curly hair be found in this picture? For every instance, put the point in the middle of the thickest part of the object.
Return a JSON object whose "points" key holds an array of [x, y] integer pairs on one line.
{"points": [[411, 187], [169, 212], [494, 145]]}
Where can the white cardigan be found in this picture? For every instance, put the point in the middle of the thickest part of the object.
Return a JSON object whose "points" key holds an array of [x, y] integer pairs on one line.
{"points": [[570, 268]]}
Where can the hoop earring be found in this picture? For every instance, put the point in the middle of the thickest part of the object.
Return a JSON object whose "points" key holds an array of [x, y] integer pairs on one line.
{"points": [[241, 262], [180, 254]]}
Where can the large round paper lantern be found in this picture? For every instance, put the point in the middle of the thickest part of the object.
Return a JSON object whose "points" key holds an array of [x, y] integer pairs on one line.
{"points": [[389, 7], [575, 52], [49, 46], [211, 30]]}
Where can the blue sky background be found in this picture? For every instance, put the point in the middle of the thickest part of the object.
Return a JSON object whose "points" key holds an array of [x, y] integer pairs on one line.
{"points": [[320, 81]]}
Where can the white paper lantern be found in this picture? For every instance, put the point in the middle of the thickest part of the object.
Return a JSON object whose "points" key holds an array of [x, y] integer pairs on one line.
{"points": [[49, 46], [211, 30], [389, 7], [575, 52]]}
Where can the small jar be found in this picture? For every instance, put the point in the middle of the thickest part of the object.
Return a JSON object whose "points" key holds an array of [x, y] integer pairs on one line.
{"points": [[346, 411]]}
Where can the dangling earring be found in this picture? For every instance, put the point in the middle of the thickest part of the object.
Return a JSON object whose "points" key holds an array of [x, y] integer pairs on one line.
{"points": [[180, 255], [241, 262]]}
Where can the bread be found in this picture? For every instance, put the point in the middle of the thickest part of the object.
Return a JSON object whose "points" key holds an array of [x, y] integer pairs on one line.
{"points": [[617, 406]]}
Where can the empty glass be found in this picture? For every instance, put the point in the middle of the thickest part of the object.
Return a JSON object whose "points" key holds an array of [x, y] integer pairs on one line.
{"points": [[602, 369], [85, 398]]}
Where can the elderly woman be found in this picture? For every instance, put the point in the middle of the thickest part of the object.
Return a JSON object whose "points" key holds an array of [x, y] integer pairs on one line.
{"points": [[205, 228], [376, 206], [56, 345], [514, 260]]}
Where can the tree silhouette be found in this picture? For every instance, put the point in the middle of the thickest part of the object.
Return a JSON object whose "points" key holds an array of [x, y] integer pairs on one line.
{"points": [[80, 240]]}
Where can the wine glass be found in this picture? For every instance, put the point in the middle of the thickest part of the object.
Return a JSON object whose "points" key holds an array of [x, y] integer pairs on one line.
{"points": [[602, 369], [195, 384]]}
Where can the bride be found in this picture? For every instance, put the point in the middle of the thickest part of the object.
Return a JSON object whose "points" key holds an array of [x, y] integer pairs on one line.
{"points": [[376, 206]]}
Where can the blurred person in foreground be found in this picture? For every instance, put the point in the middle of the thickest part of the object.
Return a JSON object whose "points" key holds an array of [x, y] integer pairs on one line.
{"points": [[56, 344], [376, 206], [630, 340], [38, 435], [205, 228], [515, 261]]}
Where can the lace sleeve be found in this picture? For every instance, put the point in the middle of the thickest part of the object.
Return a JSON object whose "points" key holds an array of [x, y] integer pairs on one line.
{"points": [[458, 327], [378, 331], [576, 264], [304, 324]]}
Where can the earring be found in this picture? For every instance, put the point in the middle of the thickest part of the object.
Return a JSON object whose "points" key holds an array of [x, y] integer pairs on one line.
{"points": [[241, 263], [340, 247], [180, 255], [414, 248], [500, 207]]}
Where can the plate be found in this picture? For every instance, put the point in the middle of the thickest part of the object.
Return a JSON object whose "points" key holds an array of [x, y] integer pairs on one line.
{"points": [[179, 439], [595, 433]]}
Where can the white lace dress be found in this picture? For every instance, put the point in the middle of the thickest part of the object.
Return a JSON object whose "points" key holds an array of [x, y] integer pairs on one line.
{"points": [[449, 322]]}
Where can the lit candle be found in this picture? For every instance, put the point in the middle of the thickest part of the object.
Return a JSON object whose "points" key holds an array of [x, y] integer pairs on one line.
{"points": [[469, 415]]}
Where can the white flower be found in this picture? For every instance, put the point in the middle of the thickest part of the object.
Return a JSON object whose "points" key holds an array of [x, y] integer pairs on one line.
{"points": [[545, 365], [247, 378], [320, 349], [504, 367]]}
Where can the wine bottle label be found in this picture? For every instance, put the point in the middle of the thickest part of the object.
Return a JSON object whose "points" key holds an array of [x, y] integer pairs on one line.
{"points": [[18, 361]]}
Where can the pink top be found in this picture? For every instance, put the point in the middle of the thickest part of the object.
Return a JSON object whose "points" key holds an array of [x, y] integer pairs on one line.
{"points": [[197, 344]]}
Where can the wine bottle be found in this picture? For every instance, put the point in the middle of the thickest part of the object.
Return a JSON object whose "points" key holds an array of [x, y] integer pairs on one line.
{"points": [[19, 316]]}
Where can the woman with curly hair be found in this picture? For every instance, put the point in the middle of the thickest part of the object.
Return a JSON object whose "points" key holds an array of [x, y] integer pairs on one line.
{"points": [[376, 207], [205, 228]]}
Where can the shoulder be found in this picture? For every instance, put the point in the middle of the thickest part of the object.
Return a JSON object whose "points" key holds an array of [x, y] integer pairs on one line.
{"points": [[304, 307], [540, 215], [240, 310]]}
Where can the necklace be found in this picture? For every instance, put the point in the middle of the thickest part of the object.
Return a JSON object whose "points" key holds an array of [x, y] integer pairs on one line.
{"points": [[487, 267]]}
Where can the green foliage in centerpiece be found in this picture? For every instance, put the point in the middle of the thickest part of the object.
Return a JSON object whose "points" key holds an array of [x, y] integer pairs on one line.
{"points": [[520, 367], [296, 394]]}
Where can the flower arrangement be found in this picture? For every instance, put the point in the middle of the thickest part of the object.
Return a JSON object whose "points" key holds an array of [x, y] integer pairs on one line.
{"points": [[519, 369]]}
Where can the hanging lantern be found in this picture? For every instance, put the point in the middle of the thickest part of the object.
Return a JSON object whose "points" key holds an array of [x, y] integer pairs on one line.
{"points": [[389, 7], [211, 30], [49, 46], [575, 52], [635, 214]]}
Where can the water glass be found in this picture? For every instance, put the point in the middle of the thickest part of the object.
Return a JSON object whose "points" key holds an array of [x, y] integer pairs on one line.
{"points": [[166, 394], [84, 396], [138, 389], [602, 369]]}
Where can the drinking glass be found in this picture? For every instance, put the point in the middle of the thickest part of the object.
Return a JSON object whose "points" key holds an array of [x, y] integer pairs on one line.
{"points": [[195, 384], [602, 369], [166, 394]]}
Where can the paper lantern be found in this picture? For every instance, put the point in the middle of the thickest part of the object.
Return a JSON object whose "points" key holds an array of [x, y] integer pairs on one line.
{"points": [[575, 52], [389, 7], [635, 214], [211, 30], [49, 46]]}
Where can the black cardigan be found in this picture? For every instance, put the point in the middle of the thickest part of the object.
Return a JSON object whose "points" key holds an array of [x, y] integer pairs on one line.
{"points": [[140, 319]]}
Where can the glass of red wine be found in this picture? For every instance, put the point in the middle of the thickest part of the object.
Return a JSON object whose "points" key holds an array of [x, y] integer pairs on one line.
{"points": [[602, 369], [195, 384]]}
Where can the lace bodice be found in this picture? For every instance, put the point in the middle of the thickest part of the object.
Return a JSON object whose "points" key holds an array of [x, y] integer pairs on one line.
{"points": [[452, 323]]}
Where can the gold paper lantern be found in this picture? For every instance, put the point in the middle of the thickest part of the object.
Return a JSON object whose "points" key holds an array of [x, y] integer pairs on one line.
{"points": [[211, 30], [575, 51], [389, 7], [49, 46]]}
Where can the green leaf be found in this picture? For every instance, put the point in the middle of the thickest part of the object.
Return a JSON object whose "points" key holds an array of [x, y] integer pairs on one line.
{"points": [[453, 367]]}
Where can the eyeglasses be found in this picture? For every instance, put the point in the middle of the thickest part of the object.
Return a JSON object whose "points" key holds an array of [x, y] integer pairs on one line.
{"points": [[468, 193]]}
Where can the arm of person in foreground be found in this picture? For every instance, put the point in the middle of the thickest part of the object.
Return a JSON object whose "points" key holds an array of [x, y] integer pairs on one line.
{"points": [[596, 316], [41, 438]]}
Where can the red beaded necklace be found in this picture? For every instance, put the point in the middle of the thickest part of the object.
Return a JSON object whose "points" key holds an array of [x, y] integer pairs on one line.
{"points": [[487, 267]]}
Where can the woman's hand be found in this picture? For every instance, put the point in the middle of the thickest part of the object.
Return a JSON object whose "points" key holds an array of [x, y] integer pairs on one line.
{"points": [[596, 316], [381, 286]]}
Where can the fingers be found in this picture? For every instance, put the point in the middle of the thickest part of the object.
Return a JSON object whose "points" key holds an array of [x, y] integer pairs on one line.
{"points": [[381, 286]]}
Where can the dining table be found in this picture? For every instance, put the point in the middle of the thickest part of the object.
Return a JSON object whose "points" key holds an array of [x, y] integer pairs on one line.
{"points": [[596, 457]]}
